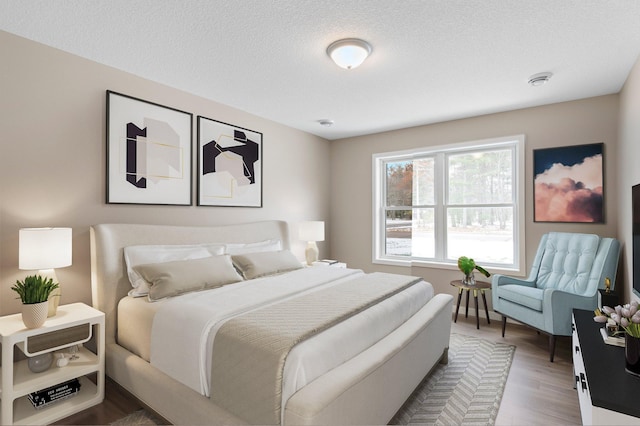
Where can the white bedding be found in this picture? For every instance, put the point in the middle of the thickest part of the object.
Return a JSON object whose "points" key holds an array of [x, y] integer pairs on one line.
{"points": [[191, 321]]}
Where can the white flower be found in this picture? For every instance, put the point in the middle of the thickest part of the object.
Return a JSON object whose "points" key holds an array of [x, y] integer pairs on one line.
{"points": [[601, 318], [627, 317]]}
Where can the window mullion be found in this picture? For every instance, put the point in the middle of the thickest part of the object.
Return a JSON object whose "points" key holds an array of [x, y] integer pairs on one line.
{"points": [[440, 212]]}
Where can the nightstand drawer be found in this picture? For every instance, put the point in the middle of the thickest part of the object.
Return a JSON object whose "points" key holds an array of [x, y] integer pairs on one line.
{"points": [[58, 339]]}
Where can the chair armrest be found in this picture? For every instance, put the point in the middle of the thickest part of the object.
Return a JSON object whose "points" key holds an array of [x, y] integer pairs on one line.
{"points": [[558, 306], [499, 280], [555, 297]]}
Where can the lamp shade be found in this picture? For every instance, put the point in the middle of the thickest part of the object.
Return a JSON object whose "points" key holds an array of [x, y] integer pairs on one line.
{"points": [[311, 231], [44, 248]]}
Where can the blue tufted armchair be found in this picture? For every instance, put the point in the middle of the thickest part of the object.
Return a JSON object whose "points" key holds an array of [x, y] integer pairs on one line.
{"points": [[567, 271]]}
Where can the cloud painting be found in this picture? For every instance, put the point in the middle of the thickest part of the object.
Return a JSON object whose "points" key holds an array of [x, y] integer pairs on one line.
{"points": [[568, 184]]}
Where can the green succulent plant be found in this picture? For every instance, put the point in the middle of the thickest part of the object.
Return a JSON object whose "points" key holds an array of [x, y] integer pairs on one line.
{"points": [[34, 289], [467, 265]]}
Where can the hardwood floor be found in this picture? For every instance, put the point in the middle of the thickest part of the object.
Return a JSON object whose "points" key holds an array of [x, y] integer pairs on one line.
{"points": [[117, 404], [537, 392]]}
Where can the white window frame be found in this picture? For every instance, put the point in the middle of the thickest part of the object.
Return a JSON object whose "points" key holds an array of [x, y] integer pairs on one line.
{"points": [[379, 196]]}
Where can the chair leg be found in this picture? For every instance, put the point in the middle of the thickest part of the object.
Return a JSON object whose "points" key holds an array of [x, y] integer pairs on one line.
{"points": [[504, 324], [552, 347]]}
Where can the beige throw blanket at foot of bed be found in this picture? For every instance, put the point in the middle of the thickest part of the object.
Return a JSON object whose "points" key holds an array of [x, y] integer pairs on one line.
{"points": [[249, 351]]}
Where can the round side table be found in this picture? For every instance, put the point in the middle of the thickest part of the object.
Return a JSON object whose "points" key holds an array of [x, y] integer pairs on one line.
{"points": [[479, 287]]}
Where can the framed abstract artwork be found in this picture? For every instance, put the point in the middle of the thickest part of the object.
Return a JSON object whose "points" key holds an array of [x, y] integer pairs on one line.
{"points": [[229, 165], [149, 157], [569, 184]]}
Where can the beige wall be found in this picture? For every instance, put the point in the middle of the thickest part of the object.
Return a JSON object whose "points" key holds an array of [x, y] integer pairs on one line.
{"points": [[52, 165], [628, 168], [52, 160], [580, 122]]}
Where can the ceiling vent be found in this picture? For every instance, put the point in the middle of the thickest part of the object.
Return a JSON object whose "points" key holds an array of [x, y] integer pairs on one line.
{"points": [[539, 79]]}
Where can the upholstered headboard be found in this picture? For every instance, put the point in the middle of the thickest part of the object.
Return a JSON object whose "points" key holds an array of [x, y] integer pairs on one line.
{"points": [[109, 282]]}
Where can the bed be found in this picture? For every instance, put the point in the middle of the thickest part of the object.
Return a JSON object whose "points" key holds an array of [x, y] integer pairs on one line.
{"points": [[147, 354]]}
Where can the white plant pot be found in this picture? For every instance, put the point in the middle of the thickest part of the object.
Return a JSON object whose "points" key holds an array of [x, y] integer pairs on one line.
{"points": [[35, 314]]}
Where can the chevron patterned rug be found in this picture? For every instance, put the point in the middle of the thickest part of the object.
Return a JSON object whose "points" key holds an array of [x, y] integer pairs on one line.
{"points": [[466, 391]]}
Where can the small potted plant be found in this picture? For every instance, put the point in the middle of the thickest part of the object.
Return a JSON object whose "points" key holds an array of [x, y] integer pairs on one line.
{"points": [[467, 266], [34, 293]]}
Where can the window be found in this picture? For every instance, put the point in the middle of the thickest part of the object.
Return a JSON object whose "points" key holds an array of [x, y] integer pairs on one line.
{"points": [[436, 204]]}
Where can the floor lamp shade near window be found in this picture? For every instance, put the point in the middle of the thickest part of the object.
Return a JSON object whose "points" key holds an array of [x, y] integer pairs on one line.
{"points": [[44, 249], [311, 232]]}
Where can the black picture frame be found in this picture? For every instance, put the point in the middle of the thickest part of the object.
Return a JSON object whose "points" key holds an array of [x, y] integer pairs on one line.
{"points": [[149, 152], [229, 165]]}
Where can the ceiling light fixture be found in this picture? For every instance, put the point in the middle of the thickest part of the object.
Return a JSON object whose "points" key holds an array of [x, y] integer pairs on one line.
{"points": [[326, 122], [349, 53], [539, 79]]}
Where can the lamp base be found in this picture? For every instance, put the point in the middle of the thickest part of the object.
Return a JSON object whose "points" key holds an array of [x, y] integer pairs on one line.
{"points": [[54, 296], [311, 253], [54, 300]]}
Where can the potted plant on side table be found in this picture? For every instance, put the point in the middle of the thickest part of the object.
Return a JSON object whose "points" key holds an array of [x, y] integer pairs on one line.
{"points": [[34, 292], [467, 267]]}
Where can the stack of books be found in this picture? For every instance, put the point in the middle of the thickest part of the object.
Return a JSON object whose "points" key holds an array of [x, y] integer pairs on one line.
{"points": [[44, 397], [612, 340]]}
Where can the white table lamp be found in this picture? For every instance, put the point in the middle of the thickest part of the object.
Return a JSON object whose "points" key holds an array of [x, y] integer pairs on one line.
{"points": [[311, 232], [44, 249]]}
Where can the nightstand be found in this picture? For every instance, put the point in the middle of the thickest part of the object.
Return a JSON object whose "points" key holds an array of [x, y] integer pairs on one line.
{"points": [[327, 262], [74, 324]]}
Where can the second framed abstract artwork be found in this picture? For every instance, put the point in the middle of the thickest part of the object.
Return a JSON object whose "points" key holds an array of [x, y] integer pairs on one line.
{"points": [[229, 165], [569, 184]]}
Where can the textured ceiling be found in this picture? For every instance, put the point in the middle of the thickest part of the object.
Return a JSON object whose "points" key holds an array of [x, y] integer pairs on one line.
{"points": [[432, 60]]}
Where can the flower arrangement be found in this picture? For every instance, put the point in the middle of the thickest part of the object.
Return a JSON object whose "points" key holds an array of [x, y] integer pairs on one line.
{"points": [[626, 317]]}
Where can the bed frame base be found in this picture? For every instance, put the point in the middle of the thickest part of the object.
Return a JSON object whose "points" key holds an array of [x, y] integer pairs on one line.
{"points": [[368, 389]]}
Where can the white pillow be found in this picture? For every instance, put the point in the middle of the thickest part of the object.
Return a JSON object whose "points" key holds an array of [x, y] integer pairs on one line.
{"points": [[260, 246], [141, 255], [256, 265]]}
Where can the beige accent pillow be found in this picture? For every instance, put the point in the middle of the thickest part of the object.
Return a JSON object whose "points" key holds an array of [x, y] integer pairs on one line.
{"points": [[142, 255], [173, 278], [255, 265]]}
